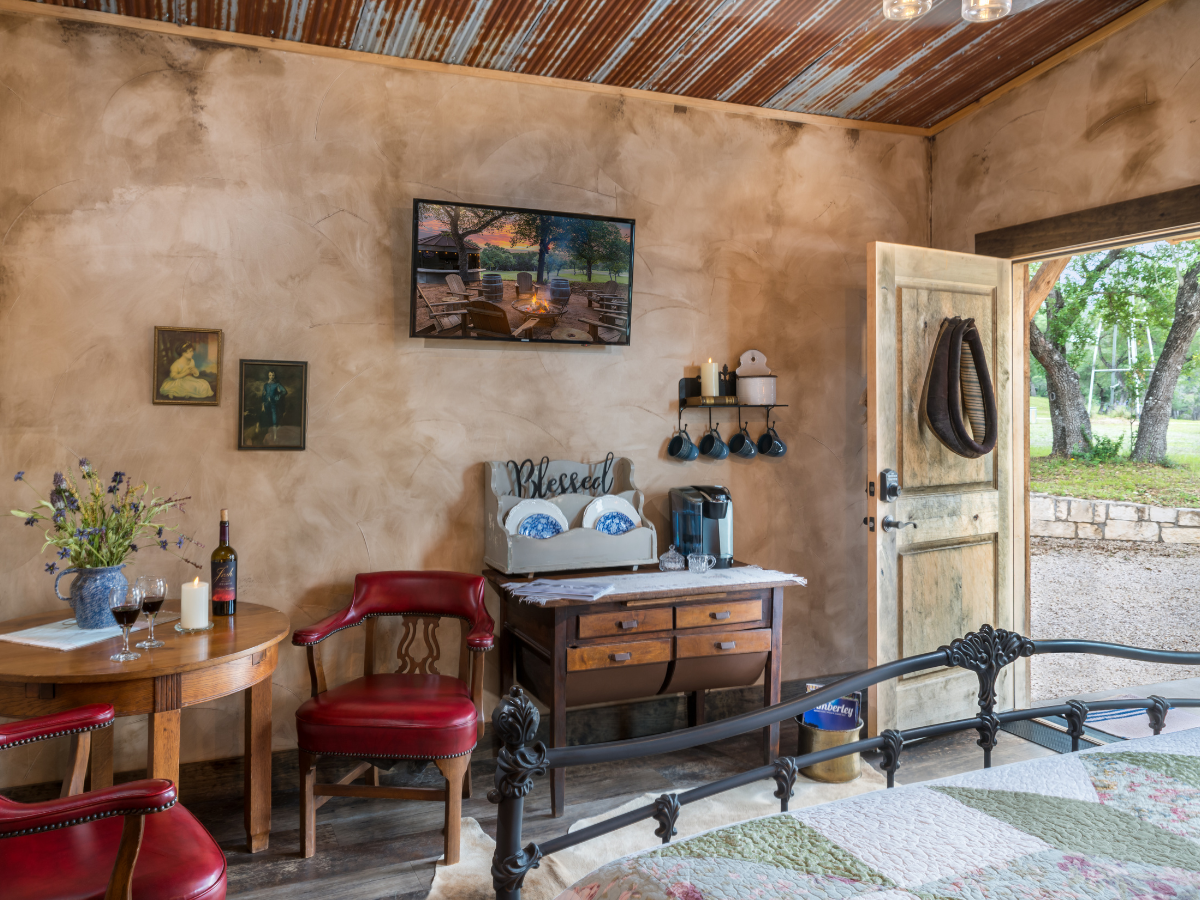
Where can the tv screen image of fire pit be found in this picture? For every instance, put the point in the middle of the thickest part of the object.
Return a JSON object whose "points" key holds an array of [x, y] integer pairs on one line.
{"points": [[512, 274]]}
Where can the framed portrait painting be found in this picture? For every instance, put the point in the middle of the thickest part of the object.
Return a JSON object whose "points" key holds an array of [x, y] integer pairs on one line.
{"points": [[272, 405], [187, 366]]}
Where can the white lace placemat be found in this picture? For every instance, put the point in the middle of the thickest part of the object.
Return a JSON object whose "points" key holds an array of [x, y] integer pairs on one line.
{"points": [[638, 582], [64, 635]]}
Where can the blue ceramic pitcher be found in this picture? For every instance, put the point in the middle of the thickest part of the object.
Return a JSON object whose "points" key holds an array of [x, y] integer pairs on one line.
{"points": [[89, 594]]}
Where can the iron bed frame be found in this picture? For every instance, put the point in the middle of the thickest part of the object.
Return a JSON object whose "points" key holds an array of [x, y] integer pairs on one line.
{"points": [[985, 652]]}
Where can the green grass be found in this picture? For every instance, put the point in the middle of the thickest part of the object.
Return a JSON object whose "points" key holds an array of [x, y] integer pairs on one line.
{"points": [[1132, 482], [1176, 484]]}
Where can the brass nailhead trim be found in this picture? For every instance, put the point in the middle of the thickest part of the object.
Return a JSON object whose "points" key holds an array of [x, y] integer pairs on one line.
{"points": [[103, 815], [46, 737]]}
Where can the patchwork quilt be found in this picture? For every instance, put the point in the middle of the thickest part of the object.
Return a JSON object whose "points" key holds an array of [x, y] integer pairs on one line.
{"points": [[1120, 822]]}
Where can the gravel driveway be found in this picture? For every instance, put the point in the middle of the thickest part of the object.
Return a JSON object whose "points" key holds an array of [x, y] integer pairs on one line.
{"points": [[1120, 591]]}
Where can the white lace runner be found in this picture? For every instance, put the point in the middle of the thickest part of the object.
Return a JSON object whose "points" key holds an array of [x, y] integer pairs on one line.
{"points": [[65, 635], [639, 582]]}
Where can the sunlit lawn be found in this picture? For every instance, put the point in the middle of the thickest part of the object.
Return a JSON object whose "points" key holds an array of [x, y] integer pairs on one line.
{"points": [[1177, 484]]}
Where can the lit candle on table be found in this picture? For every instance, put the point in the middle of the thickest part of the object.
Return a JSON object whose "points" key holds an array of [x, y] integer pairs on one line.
{"points": [[710, 380], [193, 604]]}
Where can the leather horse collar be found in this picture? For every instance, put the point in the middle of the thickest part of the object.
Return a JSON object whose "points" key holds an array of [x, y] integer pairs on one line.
{"points": [[959, 405]]}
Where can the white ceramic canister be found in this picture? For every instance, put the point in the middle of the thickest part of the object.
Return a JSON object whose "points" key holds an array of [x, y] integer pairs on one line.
{"points": [[756, 390]]}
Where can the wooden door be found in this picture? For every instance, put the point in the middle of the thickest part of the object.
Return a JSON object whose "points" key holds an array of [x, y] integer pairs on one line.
{"points": [[963, 565]]}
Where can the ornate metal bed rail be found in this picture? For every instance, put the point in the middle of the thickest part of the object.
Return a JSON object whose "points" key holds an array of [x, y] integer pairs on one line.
{"points": [[985, 652]]}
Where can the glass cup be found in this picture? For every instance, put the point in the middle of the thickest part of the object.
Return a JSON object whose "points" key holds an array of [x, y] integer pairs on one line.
{"points": [[153, 592], [125, 604], [700, 563]]}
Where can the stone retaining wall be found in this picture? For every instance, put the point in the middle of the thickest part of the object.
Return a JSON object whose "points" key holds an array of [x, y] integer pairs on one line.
{"points": [[1069, 517]]}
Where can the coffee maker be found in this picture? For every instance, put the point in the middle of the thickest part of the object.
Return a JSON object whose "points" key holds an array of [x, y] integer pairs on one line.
{"points": [[702, 521]]}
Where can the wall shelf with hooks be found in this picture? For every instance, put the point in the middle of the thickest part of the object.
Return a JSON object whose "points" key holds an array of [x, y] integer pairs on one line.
{"points": [[689, 390]]}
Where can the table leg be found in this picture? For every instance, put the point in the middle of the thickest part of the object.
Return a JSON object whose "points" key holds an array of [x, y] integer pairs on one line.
{"points": [[506, 653], [162, 738], [558, 718], [257, 765], [772, 675], [101, 764], [695, 708]]}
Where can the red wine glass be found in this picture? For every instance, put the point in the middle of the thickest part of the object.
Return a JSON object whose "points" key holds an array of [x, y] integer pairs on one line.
{"points": [[153, 591], [125, 604]]}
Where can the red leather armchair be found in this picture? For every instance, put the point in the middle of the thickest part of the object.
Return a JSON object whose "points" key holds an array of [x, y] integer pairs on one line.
{"points": [[86, 846], [413, 713]]}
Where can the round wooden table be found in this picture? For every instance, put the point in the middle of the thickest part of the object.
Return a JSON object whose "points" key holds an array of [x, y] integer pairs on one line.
{"points": [[238, 654], [564, 333]]}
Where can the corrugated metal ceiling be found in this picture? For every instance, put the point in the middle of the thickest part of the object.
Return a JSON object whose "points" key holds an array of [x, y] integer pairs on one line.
{"points": [[825, 57]]}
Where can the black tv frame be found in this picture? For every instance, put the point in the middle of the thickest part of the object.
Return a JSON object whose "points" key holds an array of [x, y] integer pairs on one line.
{"points": [[412, 304]]}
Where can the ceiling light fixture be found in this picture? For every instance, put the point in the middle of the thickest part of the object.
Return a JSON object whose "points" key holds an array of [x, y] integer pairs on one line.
{"points": [[985, 10], [906, 9]]}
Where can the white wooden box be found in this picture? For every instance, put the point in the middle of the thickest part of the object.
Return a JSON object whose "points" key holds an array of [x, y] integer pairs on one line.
{"points": [[576, 548]]}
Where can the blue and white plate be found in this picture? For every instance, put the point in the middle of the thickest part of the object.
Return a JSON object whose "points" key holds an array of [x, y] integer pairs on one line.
{"points": [[540, 526], [600, 508], [614, 523], [527, 508]]}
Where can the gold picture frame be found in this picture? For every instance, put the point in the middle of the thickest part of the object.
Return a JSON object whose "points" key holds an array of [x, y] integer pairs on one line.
{"points": [[186, 366]]}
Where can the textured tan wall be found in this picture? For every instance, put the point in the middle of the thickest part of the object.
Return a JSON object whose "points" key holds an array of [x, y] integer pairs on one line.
{"points": [[1119, 121], [151, 181]]}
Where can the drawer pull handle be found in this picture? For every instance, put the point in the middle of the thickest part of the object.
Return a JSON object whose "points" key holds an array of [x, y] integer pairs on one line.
{"points": [[726, 645], [620, 657], [632, 623], [721, 615]]}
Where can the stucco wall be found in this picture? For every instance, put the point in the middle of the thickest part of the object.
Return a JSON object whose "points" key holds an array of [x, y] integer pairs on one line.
{"points": [[151, 180], [1120, 120]]}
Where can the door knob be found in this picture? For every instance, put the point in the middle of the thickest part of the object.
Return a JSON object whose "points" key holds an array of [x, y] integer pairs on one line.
{"points": [[889, 523]]}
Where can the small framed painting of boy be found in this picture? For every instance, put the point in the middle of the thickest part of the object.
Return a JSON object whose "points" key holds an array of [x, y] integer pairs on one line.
{"points": [[273, 405]]}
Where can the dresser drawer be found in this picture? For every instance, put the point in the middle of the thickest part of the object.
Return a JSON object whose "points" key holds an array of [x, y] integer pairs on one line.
{"points": [[718, 614], [607, 656], [729, 643], [625, 623]]}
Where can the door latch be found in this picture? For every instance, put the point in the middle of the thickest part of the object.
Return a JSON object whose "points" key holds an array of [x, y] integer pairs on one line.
{"points": [[869, 521], [889, 485], [888, 524]]}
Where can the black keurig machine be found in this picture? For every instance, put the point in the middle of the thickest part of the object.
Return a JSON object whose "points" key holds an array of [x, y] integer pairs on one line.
{"points": [[702, 521]]}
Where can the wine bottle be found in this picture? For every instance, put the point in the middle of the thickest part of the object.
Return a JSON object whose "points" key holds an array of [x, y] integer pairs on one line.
{"points": [[224, 573]]}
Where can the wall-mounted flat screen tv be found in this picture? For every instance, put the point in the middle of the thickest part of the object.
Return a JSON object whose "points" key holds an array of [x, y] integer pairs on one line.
{"points": [[501, 273]]}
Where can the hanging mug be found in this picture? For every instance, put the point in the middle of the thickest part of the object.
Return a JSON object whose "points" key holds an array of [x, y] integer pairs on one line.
{"points": [[770, 444], [742, 444], [711, 444], [681, 447]]}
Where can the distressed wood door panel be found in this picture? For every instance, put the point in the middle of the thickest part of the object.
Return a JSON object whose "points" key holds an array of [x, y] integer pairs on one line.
{"points": [[924, 463], [962, 576], [958, 568]]}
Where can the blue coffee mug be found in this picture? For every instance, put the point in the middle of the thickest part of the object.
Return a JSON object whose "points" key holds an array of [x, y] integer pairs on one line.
{"points": [[711, 444], [743, 445], [682, 448]]}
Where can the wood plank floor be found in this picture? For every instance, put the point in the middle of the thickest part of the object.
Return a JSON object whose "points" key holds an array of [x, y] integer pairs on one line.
{"points": [[385, 850]]}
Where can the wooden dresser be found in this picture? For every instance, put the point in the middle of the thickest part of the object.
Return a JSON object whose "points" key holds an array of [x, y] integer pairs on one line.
{"points": [[629, 646]]}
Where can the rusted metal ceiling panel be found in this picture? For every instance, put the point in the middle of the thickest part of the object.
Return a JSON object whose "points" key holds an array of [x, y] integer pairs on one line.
{"points": [[923, 71], [827, 57]]}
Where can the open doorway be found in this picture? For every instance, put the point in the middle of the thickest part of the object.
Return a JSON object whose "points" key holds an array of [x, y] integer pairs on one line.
{"points": [[1114, 470]]}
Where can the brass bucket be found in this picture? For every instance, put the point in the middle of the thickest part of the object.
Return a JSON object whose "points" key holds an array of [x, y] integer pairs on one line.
{"points": [[833, 771]]}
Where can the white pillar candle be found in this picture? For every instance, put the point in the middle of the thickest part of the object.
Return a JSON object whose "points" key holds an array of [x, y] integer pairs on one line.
{"points": [[710, 379], [193, 603]]}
